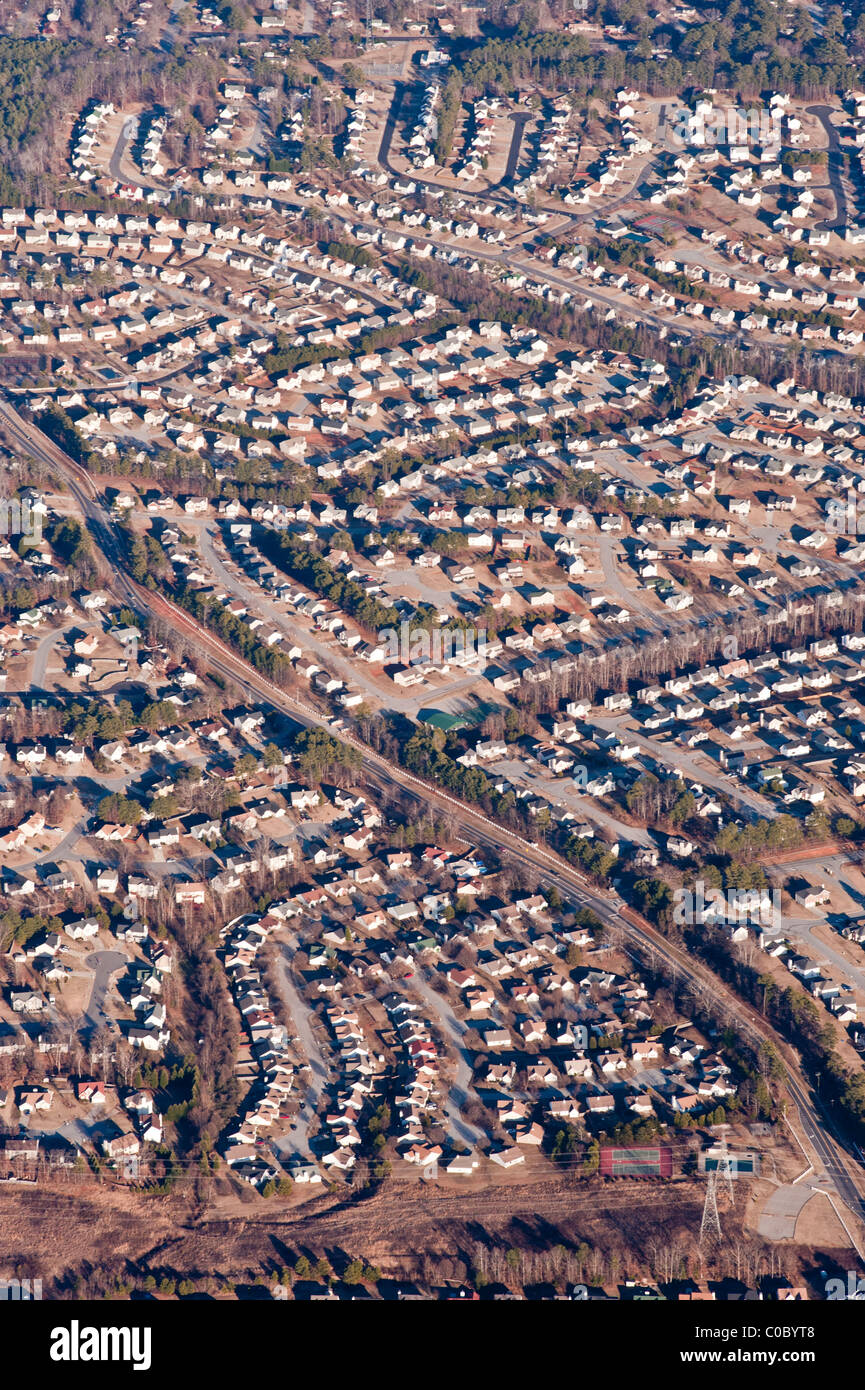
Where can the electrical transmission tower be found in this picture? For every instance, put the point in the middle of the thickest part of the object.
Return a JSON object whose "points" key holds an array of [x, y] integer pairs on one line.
{"points": [[722, 1173], [368, 39], [710, 1226]]}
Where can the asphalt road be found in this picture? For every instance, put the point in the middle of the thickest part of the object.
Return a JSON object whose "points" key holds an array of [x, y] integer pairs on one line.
{"points": [[815, 1123], [520, 120], [835, 170], [104, 964], [301, 1014], [462, 1128], [42, 654], [128, 132], [172, 28]]}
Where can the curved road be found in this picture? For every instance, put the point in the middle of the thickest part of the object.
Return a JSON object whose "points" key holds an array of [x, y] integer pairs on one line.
{"points": [[43, 652], [835, 170]]}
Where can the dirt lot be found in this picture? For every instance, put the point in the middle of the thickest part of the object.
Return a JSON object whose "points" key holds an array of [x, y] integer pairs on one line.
{"points": [[818, 1225], [101, 1233], [52, 1231]]}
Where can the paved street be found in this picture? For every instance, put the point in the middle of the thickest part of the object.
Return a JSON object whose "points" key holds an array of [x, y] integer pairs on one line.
{"points": [[105, 965]]}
